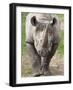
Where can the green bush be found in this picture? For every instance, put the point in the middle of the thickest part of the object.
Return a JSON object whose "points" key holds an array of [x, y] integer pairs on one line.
{"points": [[60, 49]]}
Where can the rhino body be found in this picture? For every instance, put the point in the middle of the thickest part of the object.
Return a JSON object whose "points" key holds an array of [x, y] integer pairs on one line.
{"points": [[42, 40]]}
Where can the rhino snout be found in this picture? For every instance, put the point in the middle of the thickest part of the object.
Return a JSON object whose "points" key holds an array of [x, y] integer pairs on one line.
{"points": [[44, 52]]}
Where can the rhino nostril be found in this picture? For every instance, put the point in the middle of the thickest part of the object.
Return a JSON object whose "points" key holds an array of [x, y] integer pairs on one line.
{"points": [[39, 52], [41, 41]]}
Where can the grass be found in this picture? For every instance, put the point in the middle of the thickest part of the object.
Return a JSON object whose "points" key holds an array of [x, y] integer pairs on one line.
{"points": [[60, 49], [61, 17], [23, 35]]}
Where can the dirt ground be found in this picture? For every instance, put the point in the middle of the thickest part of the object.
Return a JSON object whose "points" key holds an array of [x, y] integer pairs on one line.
{"points": [[56, 66]]}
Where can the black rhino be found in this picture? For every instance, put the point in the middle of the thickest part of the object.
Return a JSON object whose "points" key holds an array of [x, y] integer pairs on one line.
{"points": [[42, 39]]}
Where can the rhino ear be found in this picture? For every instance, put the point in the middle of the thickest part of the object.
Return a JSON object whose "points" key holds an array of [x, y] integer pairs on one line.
{"points": [[54, 21], [33, 21]]}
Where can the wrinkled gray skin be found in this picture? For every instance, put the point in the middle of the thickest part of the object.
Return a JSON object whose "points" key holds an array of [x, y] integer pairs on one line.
{"points": [[42, 40]]}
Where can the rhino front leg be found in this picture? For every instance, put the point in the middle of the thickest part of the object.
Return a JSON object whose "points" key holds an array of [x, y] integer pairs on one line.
{"points": [[45, 66], [45, 61], [35, 60]]}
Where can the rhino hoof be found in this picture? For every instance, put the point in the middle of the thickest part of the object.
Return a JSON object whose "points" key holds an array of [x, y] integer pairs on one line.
{"points": [[47, 73], [36, 75]]}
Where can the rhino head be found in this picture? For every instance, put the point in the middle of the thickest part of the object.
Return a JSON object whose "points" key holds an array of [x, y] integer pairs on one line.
{"points": [[43, 35]]}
